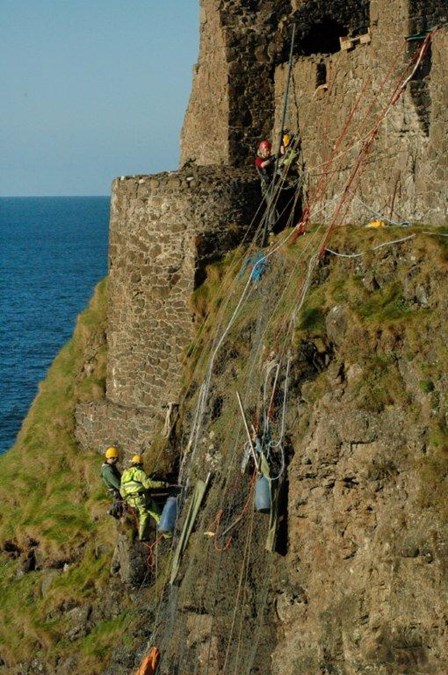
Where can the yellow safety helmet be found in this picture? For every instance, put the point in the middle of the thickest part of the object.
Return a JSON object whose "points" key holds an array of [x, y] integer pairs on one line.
{"points": [[111, 452], [286, 140], [137, 459]]}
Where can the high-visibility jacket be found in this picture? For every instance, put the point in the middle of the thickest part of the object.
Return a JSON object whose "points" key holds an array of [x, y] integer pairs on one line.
{"points": [[134, 481]]}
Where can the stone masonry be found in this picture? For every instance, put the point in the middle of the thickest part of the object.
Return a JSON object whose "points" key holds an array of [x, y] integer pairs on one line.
{"points": [[337, 97], [164, 230]]}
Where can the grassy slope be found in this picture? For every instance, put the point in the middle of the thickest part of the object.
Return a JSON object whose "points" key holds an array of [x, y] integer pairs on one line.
{"points": [[52, 496]]}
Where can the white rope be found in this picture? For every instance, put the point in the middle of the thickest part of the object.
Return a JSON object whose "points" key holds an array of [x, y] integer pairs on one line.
{"points": [[193, 433], [410, 76], [395, 241], [306, 285], [270, 366], [169, 420], [386, 243], [344, 255], [401, 223], [374, 248], [279, 443]]}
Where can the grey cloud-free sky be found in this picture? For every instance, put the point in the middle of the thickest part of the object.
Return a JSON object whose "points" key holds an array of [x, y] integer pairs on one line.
{"points": [[91, 90]]}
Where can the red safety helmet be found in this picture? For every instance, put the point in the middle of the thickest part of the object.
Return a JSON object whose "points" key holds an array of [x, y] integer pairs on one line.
{"points": [[265, 145]]}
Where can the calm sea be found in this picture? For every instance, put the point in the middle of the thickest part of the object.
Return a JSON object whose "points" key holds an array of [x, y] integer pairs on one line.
{"points": [[53, 250]]}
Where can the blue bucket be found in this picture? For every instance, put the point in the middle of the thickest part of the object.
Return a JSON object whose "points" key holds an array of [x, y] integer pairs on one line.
{"points": [[168, 517], [263, 495]]}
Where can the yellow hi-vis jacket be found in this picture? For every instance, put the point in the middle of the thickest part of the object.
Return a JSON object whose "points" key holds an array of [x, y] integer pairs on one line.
{"points": [[135, 481]]}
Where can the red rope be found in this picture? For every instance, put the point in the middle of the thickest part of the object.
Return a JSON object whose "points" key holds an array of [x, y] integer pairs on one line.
{"points": [[150, 551], [396, 94]]}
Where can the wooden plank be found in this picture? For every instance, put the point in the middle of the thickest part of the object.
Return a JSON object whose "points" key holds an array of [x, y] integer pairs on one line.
{"points": [[345, 42], [349, 43]]}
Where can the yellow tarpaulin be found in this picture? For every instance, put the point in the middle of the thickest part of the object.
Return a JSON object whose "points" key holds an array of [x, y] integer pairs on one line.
{"points": [[377, 224]]}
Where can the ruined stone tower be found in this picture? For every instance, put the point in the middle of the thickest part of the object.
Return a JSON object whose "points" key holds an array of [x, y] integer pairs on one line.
{"points": [[348, 57]]}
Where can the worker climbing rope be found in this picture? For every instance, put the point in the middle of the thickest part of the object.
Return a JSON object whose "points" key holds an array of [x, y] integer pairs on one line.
{"points": [[135, 489], [111, 478], [265, 163]]}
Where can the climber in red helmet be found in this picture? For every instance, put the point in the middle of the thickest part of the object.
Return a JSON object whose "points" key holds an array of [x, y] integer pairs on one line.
{"points": [[265, 162], [265, 165]]}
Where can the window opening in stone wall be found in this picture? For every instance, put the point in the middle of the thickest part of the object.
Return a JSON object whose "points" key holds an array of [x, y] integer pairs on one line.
{"points": [[421, 93], [322, 25], [323, 38], [321, 75], [423, 15]]}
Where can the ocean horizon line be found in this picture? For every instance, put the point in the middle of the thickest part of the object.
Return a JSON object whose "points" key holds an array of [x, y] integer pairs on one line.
{"points": [[53, 196]]}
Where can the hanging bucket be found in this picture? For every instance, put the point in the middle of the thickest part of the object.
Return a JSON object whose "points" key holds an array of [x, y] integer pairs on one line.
{"points": [[263, 495], [168, 517]]}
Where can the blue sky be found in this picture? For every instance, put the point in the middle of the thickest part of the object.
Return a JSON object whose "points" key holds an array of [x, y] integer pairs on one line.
{"points": [[91, 90]]}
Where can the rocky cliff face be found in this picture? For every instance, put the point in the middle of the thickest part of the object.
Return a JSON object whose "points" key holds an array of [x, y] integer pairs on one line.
{"points": [[356, 582], [348, 370], [365, 584]]}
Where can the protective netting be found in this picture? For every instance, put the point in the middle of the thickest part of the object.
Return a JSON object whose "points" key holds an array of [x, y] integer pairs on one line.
{"points": [[225, 578]]}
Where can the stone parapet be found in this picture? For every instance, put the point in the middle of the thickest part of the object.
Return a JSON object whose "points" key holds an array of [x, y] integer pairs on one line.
{"points": [[100, 424]]}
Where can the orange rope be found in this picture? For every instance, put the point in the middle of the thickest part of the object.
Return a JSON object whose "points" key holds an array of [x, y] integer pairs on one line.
{"points": [[217, 519], [150, 551], [215, 524]]}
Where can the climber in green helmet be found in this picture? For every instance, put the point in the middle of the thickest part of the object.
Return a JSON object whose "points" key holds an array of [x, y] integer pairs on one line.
{"points": [[134, 490]]}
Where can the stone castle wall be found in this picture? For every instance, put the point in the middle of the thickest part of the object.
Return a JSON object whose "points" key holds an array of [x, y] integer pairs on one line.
{"points": [[164, 230], [337, 99], [232, 100], [404, 174]]}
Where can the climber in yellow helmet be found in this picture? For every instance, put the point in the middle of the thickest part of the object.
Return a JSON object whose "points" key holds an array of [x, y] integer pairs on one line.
{"points": [[289, 152], [111, 478], [134, 490]]}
